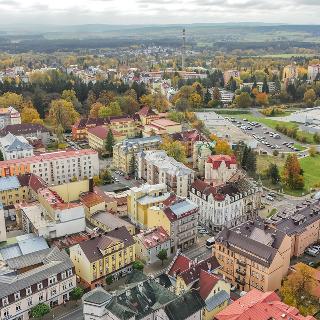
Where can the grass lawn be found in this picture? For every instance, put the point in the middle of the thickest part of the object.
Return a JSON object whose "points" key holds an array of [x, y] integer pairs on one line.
{"points": [[310, 166], [232, 112]]}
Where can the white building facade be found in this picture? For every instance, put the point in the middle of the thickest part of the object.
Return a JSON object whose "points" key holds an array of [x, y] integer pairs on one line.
{"points": [[15, 147]]}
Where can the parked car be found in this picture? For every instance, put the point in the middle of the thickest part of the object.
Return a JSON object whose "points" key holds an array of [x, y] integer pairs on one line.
{"points": [[312, 252], [270, 198]]}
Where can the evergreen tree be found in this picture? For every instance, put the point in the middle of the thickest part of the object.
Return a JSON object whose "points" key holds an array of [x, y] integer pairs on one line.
{"points": [[109, 142], [265, 87], [273, 173], [207, 97], [1, 156]]}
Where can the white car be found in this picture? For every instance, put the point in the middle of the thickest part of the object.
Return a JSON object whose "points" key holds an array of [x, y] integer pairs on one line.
{"points": [[270, 198], [203, 231]]}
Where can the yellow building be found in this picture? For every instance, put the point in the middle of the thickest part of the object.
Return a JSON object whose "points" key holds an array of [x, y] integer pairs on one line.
{"points": [[161, 127], [126, 126], [124, 152], [97, 137], [289, 72], [253, 255], [92, 203], [140, 199], [111, 254]]}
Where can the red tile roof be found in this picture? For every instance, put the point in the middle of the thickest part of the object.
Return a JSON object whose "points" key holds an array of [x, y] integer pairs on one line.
{"points": [[153, 238], [190, 135], [216, 160], [207, 281], [102, 132], [146, 111], [182, 263], [162, 123], [260, 305], [91, 199]]}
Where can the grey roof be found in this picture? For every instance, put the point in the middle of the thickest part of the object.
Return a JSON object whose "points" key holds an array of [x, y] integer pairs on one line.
{"points": [[217, 299], [53, 261], [184, 306], [26, 244], [11, 143], [254, 240], [97, 296], [9, 183], [182, 207], [110, 220]]}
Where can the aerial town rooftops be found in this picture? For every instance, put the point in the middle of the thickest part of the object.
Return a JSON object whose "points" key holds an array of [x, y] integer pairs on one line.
{"points": [[154, 237], [102, 132], [216, 160], [23, 129]]}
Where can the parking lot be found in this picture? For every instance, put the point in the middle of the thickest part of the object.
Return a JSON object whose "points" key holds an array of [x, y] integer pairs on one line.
{"points": [[268, 139]]}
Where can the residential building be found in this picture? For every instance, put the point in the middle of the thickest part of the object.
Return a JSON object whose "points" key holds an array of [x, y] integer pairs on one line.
{"points": [[97, 137], [25, 244], [160, 127], [111, 254], [226, 96], [271, 86], [189, 139], [201, 151], [289, 73], [46, 276], [227, 75], [79, 129], [107, 221], [141, 198], [124, 153], [28, 130], [156, 167], [260, 305], [220, 168], [314, 72], [185, 273], [55, 167], [15, 147], [9, 116], [150, 242], [301, 224], [178, 216], [3, 231], [228, 204], [146, 115], [92, 203], [142, 300], [253, 255]]}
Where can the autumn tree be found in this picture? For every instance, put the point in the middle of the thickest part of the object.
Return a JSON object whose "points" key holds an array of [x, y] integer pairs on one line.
{"points": [[216, 95], [222, 146], [243, 100], [95, 108], [156, 100], [309, 97], [62, 113], [128, 104], [30, 115], [10, 99], [262, 98], [298, 289], [292, 173], [174, 149]]}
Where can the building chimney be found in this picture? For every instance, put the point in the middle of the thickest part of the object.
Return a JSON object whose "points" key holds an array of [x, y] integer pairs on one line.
{"points": [[90, 184]]}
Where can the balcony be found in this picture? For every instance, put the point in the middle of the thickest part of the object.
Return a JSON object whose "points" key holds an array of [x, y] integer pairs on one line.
{"points": [[241, 263], [240, 281], [242, 272]]}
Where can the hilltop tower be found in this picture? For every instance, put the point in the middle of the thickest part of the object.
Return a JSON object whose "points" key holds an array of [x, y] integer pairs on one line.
{"points": [[183, 53]]}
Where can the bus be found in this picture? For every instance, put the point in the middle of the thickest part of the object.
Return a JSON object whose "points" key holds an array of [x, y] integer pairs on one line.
{"points": [[210, 242]]}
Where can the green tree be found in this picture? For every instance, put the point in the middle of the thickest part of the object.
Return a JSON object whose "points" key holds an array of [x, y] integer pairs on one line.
{"points": [[265, 87], [106, 177], [273, 173], [162, 255], [309, 97], [76, 293], [137, 265], [109, 142], [40, 310], [109, 280], [316, 137], [243, 100], [207, 97]]}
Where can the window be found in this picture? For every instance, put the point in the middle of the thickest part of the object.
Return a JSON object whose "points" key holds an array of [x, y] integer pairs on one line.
{"points": [[5, 301], [52, 280], [28, 291], [18, 307], [63, 275], [40, 297], [30, 302], [69, 272], [53, 292], [40, 286], [6, 313], [17, 296]]}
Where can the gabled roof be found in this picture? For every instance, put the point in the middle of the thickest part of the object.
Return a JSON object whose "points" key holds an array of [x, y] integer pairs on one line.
{"points": [[146, 111], [216, 160], [189, 135], [207, 281], [180, 264], [23, 129]]}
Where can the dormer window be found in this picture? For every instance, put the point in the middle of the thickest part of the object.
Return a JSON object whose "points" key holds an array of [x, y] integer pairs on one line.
{"points": [[17, 296], [5, 301], [28, 291], [40, 286]]}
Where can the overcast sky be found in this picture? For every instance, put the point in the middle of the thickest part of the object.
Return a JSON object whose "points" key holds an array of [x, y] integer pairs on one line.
{"points": [[158, 11]]}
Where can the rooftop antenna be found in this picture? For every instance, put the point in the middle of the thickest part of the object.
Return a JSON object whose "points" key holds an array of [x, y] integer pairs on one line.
{"points": [[183, 48]]}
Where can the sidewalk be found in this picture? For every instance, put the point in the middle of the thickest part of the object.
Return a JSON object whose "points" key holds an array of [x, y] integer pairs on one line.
{"points": [[62, 310]]}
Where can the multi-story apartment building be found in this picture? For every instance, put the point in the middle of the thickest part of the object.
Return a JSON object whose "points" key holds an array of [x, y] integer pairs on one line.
{"points": [[80, 128], [226, 96], [253, 255], [15, 147], [124, 153], [227, 75], [179, 217], [28, 130], [314, 72], [150, 242], [9, 116], [301, 224], [46, 276], [55, 167], [201, 151], [3, 231], [97, 137], [111, 254], [156, 167], [146, 115], [220, 168], [226, 205], [188, 139], [271, 86], [141, 198]]}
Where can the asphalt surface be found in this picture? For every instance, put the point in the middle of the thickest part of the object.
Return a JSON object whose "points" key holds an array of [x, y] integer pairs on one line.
{"points": [[75, 314], [262, 135]]}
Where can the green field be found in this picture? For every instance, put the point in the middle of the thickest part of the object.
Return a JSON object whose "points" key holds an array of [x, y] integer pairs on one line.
{"points": [[310, 166]]}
